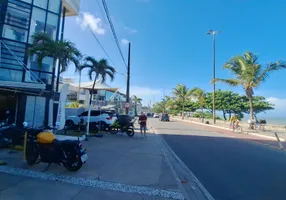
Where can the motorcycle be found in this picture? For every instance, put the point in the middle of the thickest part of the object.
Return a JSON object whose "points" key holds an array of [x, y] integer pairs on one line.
{"points": [[124, 124], [10, 135], [42, 146]]}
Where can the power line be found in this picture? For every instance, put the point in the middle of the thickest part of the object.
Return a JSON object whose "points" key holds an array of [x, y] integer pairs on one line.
{"points": [[113, 30], [93, 34]]}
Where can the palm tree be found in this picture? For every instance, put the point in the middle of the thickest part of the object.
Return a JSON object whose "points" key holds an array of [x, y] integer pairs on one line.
{"points": [[63, 51], [249, 74], [136, 102], [200, 96], [101, 69], [182, 93]]}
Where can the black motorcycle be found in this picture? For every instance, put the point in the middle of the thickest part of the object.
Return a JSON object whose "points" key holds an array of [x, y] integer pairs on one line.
{"points": [[42, 146], [124, 124]]}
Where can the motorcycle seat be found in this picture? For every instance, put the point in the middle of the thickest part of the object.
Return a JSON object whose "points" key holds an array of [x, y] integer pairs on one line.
{"points": [[65, 142]]}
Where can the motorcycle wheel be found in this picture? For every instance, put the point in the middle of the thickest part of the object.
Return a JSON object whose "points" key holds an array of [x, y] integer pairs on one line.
{"points": [[31, 154], [130, 132], [113, 130], [73, 166]]}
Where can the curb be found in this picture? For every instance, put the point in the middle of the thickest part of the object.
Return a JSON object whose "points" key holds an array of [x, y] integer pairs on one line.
{"points": [[202, 193], [249, 133]]}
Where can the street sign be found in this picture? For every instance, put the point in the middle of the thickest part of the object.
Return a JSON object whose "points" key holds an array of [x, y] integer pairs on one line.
{"points": [[127, 105]]}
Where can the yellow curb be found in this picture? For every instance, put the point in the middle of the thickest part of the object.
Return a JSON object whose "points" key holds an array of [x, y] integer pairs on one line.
{"points": [[18, 147]]}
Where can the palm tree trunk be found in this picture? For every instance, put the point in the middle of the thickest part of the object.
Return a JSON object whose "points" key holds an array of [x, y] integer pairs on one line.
{"points": [[183, 114], [250, 107], [89, 107], [202, 114]]}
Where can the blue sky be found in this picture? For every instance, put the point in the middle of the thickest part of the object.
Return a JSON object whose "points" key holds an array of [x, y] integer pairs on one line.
{"points": [[170, 45]]}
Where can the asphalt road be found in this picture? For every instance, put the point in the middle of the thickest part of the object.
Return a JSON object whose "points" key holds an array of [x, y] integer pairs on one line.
{"points": [[229, 168]]}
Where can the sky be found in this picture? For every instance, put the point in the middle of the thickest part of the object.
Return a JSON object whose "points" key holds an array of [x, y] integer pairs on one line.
{"points": [[169, 44]]}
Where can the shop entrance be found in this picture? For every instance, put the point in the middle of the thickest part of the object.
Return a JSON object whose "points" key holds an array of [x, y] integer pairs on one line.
{"points": [[8, 102]]}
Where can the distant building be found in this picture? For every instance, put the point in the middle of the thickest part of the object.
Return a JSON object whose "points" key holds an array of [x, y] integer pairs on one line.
{"points": [[106, 97]]}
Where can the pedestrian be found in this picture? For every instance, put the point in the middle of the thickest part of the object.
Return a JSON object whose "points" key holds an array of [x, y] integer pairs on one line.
{"points": [[232, 122], [142, 121]]}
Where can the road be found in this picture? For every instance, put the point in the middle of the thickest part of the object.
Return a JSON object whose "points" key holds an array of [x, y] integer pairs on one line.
{"points": [[229, 168]]}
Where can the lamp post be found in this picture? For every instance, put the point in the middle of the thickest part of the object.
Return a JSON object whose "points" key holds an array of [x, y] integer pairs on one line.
{"points": [[213, 33]]}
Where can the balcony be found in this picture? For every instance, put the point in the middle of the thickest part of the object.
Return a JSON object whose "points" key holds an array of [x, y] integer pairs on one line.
{"points": [[72, 7]]}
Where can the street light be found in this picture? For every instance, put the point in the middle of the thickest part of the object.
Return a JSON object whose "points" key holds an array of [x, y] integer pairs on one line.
{"points": [[213, 33]]}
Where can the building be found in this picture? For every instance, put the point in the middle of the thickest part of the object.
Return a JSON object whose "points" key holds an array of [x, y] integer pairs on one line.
{"points": [[106, 97], [25, 89]]}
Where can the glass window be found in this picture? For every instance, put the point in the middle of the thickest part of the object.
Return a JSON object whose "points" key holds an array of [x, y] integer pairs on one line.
{"points": [[46, 78], [37, 22], [52, 24], [10, 75], [14, 33], [47, 65], [27, 1], [17, 16], [54, 5], [41, 3], [32, 76], [35, 110]]}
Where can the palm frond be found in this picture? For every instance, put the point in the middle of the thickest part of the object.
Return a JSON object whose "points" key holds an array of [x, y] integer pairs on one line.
{"points": [[232, 82], [90, 73], [270, 68], [110, 74]]}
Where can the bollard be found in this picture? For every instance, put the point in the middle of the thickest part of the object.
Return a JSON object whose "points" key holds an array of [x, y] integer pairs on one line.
{"points": [[279, 142], [25, 145]]}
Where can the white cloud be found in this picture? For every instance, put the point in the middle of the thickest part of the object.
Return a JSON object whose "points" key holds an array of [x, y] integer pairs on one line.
{"points": [[280, 104], [86, 20], [124, 41], [130, 30]]}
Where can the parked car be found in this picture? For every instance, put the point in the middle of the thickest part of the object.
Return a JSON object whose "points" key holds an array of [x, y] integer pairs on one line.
{"points": [[164, 117], [156, 115], [104, 118]]}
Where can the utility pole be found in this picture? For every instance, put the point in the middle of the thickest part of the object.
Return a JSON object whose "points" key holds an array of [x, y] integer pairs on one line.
{"points": [[128, 81]]}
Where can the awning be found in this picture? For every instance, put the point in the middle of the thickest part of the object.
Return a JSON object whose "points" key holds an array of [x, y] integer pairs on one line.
{"points": [[98, 86]]}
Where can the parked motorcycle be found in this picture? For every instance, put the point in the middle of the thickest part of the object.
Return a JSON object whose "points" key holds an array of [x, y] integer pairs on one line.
{"points": [[124, 124], [42, 146], [10, 135]]}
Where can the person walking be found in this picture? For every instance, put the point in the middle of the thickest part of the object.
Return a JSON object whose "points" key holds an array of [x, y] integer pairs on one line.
{"points": [[142, 121]]}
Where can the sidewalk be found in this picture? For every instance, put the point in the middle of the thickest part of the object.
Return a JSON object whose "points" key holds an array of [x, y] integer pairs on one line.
{"points": [[269, 134], [119, 167]]}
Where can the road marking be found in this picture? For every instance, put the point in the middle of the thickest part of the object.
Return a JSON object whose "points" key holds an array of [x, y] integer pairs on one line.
{"points": [[93, 183]]}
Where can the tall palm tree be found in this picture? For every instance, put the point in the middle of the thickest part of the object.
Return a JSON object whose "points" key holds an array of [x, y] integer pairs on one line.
{"points": [[182, 93], [137, 101], [63, 51], [101, 69], [249, 74], [200, 95]]}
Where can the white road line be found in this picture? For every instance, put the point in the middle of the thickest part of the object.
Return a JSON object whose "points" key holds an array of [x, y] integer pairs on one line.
{"points": [[93, 183]]}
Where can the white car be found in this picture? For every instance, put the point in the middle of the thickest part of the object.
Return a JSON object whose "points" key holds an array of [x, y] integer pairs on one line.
{"points": [[156, 115], [102, 117]]}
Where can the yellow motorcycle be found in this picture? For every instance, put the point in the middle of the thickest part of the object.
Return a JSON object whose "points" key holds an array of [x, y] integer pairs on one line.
{"points": [[42, 146]]}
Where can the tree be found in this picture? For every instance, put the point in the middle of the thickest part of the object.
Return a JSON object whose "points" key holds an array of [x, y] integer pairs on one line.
{"points": [[101, 69], [259, 105], [200, 95], [249, 74], [136, 102], [182, 93], [64, 51]]}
